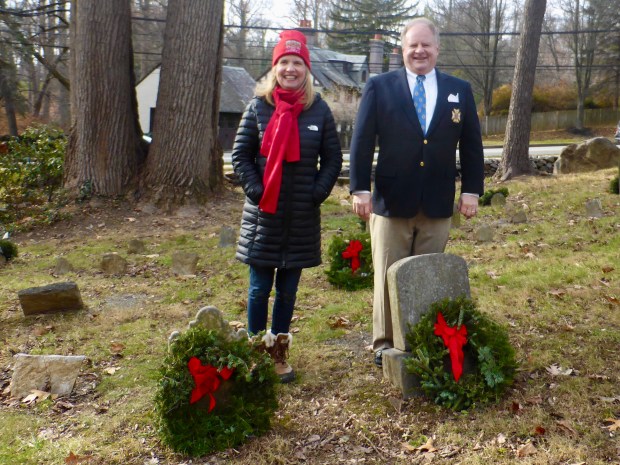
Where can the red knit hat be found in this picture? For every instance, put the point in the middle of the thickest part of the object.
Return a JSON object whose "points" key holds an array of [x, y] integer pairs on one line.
{"points": [[292, 42]]}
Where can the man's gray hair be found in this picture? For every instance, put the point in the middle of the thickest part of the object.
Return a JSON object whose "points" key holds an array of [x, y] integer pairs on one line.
{"points": [[421, 20]]}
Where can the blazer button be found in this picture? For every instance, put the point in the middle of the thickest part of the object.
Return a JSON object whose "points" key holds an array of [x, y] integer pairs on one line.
{"points": [[421, 163], [425, 141]]}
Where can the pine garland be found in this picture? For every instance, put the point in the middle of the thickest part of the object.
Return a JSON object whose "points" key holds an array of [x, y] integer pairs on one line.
{"points": [[340, 273], [485, 199], [8, 249], [487, 344], [245, 402]]}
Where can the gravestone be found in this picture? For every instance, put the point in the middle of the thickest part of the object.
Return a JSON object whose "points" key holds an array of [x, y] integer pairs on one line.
{"points": [[414, 284], [228, 237], [484, 233], [517, 216], [211, 318], [63, 266], [113, 263], [594, 209], [184, 263], [51, 298], [136, 246], [50, 373], [498, 199]]}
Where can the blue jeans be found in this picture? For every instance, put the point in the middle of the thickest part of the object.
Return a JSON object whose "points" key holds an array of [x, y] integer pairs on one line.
{"points": [[261, 282]]}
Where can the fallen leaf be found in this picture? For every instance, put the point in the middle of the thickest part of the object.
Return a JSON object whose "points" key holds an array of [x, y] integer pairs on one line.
{"points": [[131, 220], [612, 299], [500, 439], [236, 324], [599, 377], [563, 424], [407, 447], [539, 431], [338, 322], [314, 438], [116, 347], [614, 424], [556, 292], [607, 269], [557, 370], [515, 407], [36, 396], [294, 330], [535, 400], [610, 400], [111, 370], [73, 459], [526, 449], [493, 275], [428, 447]]}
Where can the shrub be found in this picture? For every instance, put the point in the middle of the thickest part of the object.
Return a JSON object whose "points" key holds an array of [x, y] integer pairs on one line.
{"points": [[8, 249], [614, 185], [33, 165], [488, 195]]}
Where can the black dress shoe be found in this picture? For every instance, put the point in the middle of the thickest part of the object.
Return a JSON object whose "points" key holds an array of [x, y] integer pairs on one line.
{"points": [[379, 358]]}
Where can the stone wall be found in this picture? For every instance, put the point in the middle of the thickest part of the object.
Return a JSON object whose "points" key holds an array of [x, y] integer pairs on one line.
{"points": [[541, 165]]}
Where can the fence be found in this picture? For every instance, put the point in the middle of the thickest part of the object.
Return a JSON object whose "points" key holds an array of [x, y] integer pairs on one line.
{"points": [[554, 120]]}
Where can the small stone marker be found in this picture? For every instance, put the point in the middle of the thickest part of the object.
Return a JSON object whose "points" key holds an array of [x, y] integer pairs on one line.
{"points": [[49, 373], [63, 266], [211, 318], [498, 199], [113, 263], [136, 246], [484, 233], [518, 217], [184, 263], [414, 284], [228, 237], [594, 209], [51, 298], [2, 260]]}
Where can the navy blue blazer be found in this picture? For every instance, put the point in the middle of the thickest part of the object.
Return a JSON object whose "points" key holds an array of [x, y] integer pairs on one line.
{"points": [[415, 171]]}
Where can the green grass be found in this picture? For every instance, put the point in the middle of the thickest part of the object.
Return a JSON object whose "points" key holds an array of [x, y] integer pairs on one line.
{"points": [[553, 281]]}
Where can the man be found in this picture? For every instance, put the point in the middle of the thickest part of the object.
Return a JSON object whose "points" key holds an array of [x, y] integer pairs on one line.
{"points": [[419, 116]]}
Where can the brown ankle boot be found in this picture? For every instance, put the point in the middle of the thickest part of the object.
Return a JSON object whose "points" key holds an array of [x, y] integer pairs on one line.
{"points": [[277, 347]]}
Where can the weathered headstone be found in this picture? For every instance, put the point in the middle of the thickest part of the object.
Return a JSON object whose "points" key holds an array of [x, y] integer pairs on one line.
{"points": [[594, 209], [113, 263], [51, 298], [484, 233], [63, 266], [228, 237], [498, 199], [184, 263], [136, 246], [414, 284], [50, 373], [211, 318], [517, 216]]}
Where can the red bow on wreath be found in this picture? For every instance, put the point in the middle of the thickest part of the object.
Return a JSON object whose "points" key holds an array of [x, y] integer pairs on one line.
{"points": [[206, 380], [353, 252], [454, 339]]}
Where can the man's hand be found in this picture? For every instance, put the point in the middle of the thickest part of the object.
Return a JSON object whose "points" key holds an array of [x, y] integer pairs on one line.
{"points": [[362, 205], [468, 205]]}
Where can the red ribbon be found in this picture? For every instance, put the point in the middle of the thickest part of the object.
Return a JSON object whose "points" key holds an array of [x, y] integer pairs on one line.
{"points": [[206, 380], [454, 339], [353, 252]]}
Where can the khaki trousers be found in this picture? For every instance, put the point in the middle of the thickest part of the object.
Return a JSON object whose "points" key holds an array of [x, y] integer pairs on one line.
{"points": [[393, 239]]}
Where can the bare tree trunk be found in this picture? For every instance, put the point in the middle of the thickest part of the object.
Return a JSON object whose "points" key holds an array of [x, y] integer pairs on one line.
{"points": [[185, 159], [104, 143], [515, 158]]}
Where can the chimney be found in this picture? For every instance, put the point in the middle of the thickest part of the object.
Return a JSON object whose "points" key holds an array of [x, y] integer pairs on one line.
{"points": [[305, 26], [375, 61], [395, 61]]}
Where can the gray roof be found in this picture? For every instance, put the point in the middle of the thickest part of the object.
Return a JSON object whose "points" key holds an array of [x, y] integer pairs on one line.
{"points": [[237, 89], [328, 67]]}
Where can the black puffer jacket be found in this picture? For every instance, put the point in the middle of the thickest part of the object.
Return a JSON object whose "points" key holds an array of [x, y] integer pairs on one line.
{"points": [[291, 237]]}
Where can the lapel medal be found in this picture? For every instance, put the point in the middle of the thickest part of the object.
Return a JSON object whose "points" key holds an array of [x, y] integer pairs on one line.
{"points": [[456, 115]]}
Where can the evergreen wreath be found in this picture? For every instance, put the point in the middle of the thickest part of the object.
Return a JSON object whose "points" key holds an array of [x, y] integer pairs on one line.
{"points": [[350, 260], [487, 345], [241, 401]]}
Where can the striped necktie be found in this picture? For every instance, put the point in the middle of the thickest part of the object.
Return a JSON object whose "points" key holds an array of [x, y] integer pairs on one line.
{"points": [[419, 101]]}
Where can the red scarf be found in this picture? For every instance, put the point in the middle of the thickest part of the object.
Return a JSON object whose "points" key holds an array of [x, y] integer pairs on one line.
{"points": [[280, 143]]}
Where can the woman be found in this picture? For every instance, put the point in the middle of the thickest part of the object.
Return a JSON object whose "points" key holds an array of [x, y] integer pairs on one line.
{"points": [[287, 156]]}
